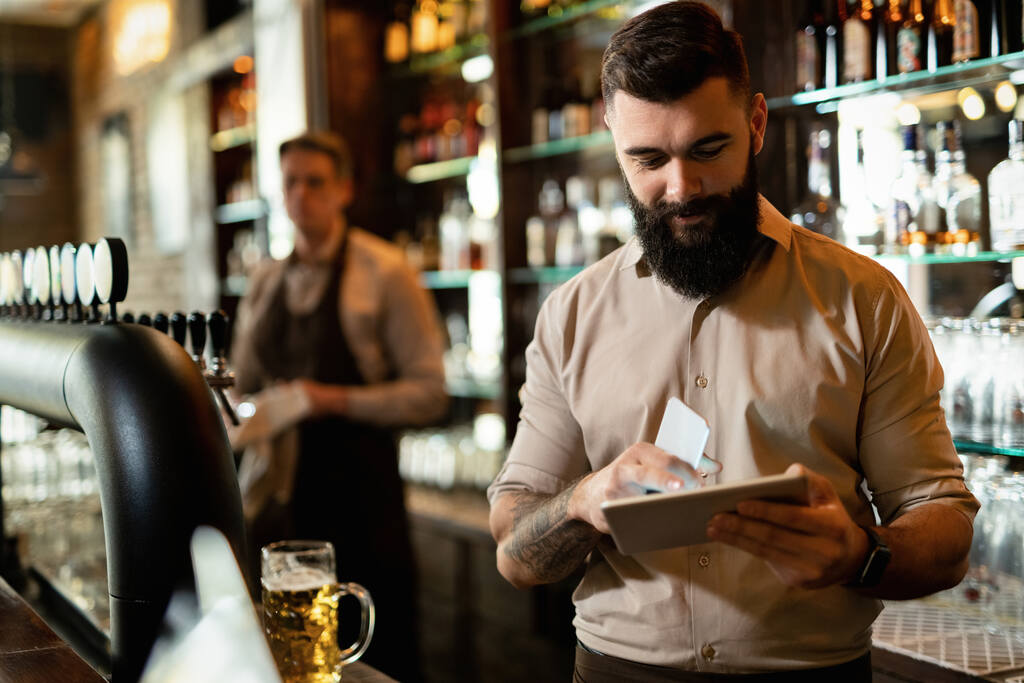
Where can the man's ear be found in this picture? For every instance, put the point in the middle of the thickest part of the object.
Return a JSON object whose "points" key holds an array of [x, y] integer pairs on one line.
{"points": [[347, 190], [758, 121]]}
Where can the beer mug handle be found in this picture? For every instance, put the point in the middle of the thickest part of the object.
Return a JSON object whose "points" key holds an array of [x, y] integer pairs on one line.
{"points": [[366, 622]]}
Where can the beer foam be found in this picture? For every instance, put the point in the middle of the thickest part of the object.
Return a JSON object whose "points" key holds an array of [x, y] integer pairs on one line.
{"points": [[299, 579]]}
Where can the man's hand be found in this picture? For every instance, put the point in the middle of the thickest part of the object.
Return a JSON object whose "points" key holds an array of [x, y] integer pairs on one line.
{"points": [[325, 399], [543, 538], [807, 546], [641, 467]]}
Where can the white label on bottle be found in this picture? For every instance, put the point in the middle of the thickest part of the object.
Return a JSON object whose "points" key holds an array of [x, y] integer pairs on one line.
{"points": [[857, 57], [965, 31]]}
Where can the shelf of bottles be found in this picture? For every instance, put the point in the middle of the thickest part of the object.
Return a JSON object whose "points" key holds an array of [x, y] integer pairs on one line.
{"points": [[241, 210], [600, 141], [438, 170], [544, 15]]}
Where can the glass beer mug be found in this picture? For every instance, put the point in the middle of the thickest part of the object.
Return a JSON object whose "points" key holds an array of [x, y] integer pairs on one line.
{"points": [[300, 611]]}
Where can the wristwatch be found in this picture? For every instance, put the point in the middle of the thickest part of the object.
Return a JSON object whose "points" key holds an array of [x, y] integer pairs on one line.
{"points": [[877, 559]]}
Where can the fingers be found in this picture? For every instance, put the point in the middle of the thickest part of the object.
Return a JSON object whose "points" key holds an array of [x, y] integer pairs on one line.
{"points": [[819, 489], [799, 558], [808, 520]]}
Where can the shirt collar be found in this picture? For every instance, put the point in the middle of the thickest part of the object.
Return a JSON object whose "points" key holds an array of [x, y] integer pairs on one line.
{"points": [[772, 225], [325, 255]]}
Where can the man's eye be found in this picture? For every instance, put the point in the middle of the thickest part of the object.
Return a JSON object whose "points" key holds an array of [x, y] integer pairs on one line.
{"points": [[708, 152], [650, 162]]}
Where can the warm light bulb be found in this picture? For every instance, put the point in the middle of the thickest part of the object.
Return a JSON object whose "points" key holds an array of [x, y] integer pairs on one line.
{"points": [[1006, 96], [908, 114], [971, 103]]}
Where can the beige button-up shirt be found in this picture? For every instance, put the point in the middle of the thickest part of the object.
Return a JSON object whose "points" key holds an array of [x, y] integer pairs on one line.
{"points": [[815, 356], [389, 322]]}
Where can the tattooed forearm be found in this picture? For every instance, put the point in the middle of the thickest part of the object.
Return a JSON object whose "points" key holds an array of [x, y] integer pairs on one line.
{"points": [[544, 541]]}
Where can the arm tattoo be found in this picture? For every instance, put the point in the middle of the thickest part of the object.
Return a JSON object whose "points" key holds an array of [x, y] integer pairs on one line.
{"points": [[543, 540]]}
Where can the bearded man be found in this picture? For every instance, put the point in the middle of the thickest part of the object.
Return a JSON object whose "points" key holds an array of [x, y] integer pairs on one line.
{"points": [[803, 357]]}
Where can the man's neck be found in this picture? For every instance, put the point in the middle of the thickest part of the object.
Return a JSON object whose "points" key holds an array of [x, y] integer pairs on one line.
{"points": [[320, 248]]}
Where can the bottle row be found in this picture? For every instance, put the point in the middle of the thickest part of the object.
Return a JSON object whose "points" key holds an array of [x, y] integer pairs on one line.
{"points": [[983, 395], [428, 26], [446, 127], [461, 457], [849, 41], [923, 212], [578, 225]]}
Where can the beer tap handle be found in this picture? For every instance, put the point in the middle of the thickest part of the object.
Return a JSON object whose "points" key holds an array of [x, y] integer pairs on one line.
{"points": [[179, 327], [161, 323], [218, 323], [197, 331], [127, 317], [144, 319]]}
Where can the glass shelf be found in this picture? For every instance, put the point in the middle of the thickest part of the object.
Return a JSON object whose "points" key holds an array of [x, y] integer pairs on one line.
{"points": [[968, 446], [610, 9], [977, 72], [233, 137], [467, 387], [438, 61], [439, 170], [237, 212], [981, 257], [599, 141], [445, 279], [553, 275]]}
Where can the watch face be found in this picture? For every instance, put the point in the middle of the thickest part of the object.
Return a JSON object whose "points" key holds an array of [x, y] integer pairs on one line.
{"points": [[67, 273], [84, 280], [41, 276]]}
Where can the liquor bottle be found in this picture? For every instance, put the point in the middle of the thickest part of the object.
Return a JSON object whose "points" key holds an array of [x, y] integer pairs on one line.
{"points": [[911, 39], [1006, 194], [940, 35], [835, 15], [809, 39], [820, 211], [1004, 29], [859, 41], [966, 31], [957, 193], [913, 212], [864, 223], [396, 35], [425, 25], [891, 15]]}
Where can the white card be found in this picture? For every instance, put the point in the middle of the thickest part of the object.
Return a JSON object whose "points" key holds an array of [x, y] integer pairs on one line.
{"points": [[683, 433]]}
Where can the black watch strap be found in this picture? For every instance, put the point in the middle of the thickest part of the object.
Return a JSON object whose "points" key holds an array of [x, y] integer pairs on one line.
{"points": [[875, 562]]}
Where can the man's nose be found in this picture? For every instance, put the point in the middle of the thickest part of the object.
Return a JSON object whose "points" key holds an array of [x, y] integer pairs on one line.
{"points": [[683, 181]]}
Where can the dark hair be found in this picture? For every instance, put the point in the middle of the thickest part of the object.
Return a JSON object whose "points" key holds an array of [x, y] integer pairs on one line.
{"points": [[669, 51], [325, 143]]}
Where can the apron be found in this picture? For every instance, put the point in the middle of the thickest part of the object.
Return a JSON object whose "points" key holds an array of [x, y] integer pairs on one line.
{"points": [[347, 487]]}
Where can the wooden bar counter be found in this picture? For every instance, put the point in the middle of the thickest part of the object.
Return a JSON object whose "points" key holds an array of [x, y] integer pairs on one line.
{"points": [[29, 649]]}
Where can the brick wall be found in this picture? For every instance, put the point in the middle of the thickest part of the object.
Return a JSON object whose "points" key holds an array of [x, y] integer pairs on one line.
{"points": [[40, 59], [160, 280]]}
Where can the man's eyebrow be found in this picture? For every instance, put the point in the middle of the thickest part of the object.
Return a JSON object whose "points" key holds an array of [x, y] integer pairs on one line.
{"points": [[640, 151]]}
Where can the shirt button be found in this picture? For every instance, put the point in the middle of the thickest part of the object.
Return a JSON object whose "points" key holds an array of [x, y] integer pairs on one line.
{"points": [[708, 652], [702, 381], [704, 560]]}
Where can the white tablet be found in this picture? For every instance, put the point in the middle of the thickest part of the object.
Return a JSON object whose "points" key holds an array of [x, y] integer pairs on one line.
{"points": [[668, 520]]}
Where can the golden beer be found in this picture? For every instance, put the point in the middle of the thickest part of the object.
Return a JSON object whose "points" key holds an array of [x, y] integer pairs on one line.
{"points": [[300, 618]]}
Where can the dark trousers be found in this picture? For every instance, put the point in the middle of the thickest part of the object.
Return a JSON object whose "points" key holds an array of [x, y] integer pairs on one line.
{"points": [[592, 667]]}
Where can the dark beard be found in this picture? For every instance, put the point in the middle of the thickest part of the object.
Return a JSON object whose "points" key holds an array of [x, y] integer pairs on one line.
{"points": [[713, 253]]}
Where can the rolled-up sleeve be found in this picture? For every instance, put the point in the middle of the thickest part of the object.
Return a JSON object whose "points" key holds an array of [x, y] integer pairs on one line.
{"points": [[905, 447], [547, 452], [413, 345]]}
